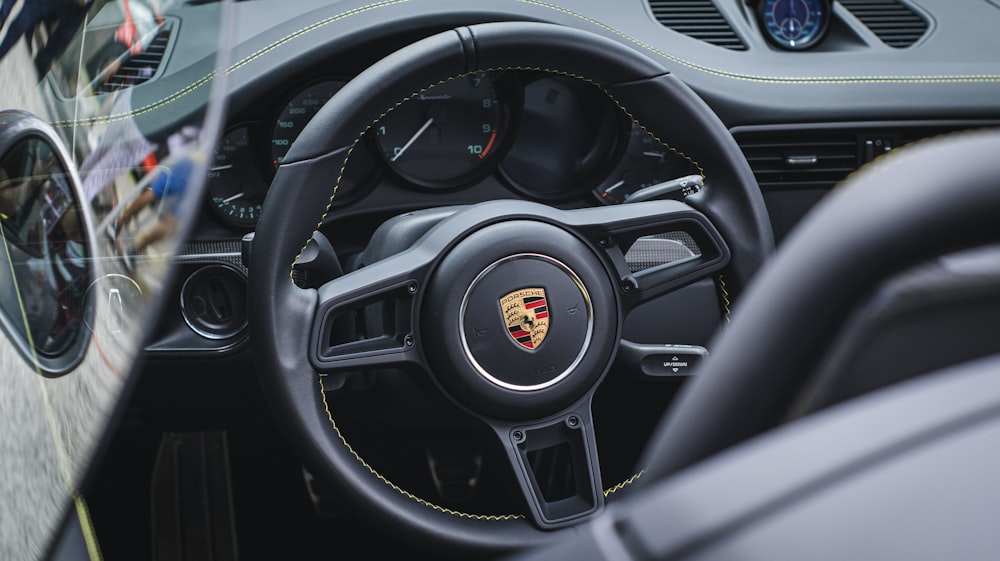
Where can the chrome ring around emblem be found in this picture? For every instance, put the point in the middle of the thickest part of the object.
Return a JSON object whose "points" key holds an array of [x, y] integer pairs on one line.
{"points": [[583, 348]]}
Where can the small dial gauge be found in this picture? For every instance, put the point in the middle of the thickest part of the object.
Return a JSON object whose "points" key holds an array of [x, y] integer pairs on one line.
{"points": [[646, 163], [445, 136], [236, 188], [794, 24], [297, 113]]}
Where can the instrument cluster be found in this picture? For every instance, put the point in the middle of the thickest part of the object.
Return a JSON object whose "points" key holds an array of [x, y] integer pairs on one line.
{"points": [[543, 137]]}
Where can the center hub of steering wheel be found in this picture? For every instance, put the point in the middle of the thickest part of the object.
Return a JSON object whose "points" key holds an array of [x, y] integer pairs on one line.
{"points": [[521, 319], [535, 333]]}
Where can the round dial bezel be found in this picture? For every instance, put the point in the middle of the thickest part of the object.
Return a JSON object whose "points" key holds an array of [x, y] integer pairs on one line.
{"points": [[818, 22], [506, 98], [250, 150]]}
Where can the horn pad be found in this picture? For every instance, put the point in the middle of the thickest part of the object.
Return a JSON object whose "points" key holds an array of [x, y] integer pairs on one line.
{"points": [[523, 318]]}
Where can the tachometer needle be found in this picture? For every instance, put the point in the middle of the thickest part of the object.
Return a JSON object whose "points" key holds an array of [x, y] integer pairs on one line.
{"points": [[234, 197], [221, 168], [413, 139]]}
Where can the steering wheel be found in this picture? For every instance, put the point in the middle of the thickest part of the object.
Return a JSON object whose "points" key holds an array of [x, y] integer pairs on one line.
{"points": [[446, 298]]}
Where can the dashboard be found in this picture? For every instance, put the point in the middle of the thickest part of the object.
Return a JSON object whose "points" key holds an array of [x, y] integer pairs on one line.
{"points": [[805, 115]]}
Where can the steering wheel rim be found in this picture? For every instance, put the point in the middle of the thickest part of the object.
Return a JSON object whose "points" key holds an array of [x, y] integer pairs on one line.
{"points": [[897, 212], [303, 185]]}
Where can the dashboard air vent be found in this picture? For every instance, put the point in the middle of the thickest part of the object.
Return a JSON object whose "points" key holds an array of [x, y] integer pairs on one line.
{"points": [[140, 67], [800, 160], [699, 19], [895, 24]]}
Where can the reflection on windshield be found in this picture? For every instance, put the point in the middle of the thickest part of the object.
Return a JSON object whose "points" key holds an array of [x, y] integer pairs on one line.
{"points": [[44, 243], [96, 189]]}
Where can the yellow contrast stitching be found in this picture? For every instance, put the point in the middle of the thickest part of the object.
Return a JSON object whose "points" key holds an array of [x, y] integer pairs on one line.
{"points": [[395, 487], [329, 205], [623, 484], [87, 526], [967, 78], [236, 66], [725, 298]]}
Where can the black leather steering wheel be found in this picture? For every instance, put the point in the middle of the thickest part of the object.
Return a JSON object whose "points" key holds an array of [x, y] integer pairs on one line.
{"points": [[446, 292]]}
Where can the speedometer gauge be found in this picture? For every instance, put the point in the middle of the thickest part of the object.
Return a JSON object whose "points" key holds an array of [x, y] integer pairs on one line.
{"points": [[297, 113], [293, 118], [446, 135], [794, 24]]}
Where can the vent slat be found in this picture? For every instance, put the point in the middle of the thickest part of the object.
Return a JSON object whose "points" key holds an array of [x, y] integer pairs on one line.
{"points": [[699, 19], [798, 161], [836, 153], [139, 68], [891, 21]]}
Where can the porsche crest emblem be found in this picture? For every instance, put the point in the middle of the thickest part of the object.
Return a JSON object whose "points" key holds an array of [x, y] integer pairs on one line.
{"points": [[526, 314]]}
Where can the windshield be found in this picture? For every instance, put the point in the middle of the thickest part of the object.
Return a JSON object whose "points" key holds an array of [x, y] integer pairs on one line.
{"points": [[102, 157]]}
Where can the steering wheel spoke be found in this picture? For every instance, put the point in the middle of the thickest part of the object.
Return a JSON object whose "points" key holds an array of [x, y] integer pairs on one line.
{"points": [[654, 246], [556, 465], [366, 319]]}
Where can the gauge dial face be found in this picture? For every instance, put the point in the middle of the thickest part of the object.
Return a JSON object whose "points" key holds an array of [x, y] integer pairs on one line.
{"points": [[445, 136], [236, 188], [567, 136], [297, 113], [294, 117], [795, 24], [646, 163]]}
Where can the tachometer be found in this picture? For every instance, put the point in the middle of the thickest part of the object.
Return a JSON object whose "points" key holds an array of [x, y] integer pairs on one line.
{"points": [[794, 24], [445, 136]]}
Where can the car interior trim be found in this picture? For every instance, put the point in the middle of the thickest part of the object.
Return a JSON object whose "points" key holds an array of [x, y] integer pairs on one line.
{"points": [[207, 79], [791, 80], [803, 80], [950, 225]]}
